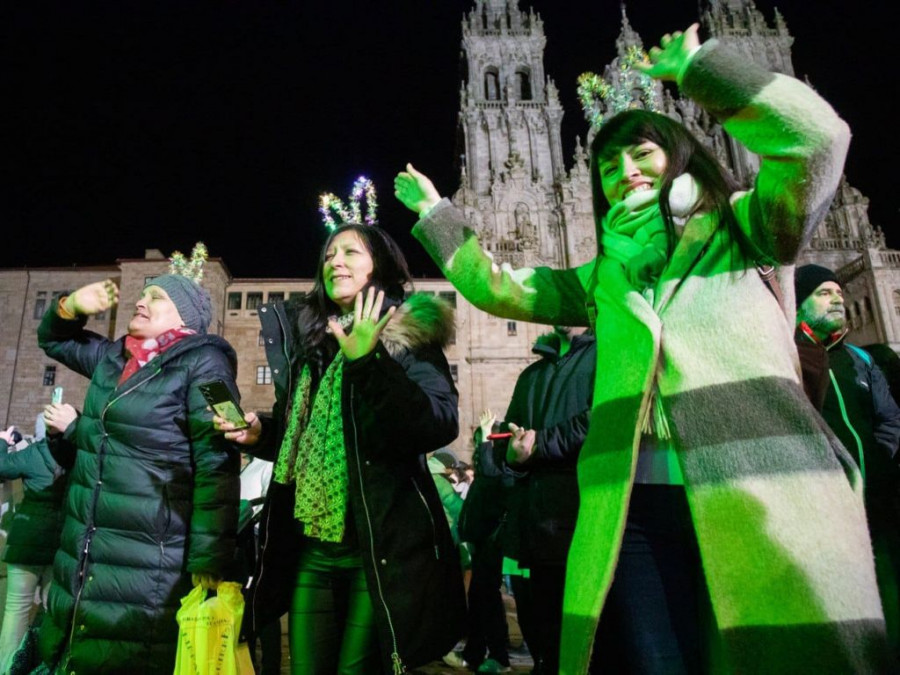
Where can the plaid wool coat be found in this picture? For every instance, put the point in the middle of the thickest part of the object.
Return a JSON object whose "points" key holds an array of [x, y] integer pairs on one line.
{"points": [[775, 500]]}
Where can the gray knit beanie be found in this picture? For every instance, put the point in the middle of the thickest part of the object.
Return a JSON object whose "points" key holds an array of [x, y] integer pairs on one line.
{"points": [[190, 298]]}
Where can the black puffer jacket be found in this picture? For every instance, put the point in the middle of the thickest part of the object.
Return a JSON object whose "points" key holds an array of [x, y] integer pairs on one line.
{"points": [[153, 496], [37, 521], [399, 403], [552, 396]]}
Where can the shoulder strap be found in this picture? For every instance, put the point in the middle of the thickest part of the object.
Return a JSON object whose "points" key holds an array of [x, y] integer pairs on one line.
{"points": [[767, 274], [862, 353]]}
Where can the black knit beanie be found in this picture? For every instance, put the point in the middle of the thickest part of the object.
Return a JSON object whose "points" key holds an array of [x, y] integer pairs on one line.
{"points": [[808, 278]]}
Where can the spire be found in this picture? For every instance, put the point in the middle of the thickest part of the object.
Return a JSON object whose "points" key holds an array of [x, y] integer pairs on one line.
{"points": [[628, 37]]}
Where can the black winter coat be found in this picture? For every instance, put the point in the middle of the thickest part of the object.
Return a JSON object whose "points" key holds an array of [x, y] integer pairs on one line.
{"points": [[399, 403], [37, 521], [153, 497], [552, 396]]}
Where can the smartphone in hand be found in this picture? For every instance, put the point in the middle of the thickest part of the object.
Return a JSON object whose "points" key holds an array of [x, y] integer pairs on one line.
{"points": [[219, 397], [56, 396]]}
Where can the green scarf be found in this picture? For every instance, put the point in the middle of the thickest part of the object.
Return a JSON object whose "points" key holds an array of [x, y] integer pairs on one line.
{"points": [[634, 234], [312, 455]]}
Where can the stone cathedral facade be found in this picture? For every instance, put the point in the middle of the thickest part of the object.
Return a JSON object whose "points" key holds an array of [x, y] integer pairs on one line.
{"points": [[531, 210], [530, 204]]}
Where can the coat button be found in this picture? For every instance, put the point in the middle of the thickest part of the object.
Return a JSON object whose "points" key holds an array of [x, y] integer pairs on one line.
{"points": [[262, 309], [368, 463], [276, 371], [81, 627], [271, 340], [383, 562]]}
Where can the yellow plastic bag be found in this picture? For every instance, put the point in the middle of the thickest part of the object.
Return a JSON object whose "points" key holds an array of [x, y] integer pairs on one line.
{"points": [[208, 633]]}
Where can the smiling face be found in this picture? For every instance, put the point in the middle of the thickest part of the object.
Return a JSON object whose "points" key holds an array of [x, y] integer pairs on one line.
{"points": [[634, 167], [154, 314], [347, 268]]}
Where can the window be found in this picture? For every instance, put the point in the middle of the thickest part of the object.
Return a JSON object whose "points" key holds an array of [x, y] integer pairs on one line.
{"points": [[40, 304], [492, 84], [449, 297], [147, 280], [454, 372], [523, 85], [234, 301], [276, 296], [254, 300], [263, 375], [49, 376], [511, 328]]}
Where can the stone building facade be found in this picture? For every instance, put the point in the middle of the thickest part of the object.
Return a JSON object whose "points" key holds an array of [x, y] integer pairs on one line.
{"points": [[516, 191]]}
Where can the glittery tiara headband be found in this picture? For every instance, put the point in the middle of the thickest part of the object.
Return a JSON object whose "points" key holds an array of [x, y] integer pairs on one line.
{"points": [[193, 268], [332, 207], [630, 88]]}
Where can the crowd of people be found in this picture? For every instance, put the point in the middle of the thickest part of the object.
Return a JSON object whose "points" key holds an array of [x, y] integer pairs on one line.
{"points": [[668, 491]]}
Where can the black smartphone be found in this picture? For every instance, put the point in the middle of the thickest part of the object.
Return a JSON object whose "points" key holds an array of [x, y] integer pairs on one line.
{"points": [[219, 397]]}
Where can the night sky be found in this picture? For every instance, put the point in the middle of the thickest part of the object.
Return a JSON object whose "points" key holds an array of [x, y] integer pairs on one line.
{"points": [[134, 125]]}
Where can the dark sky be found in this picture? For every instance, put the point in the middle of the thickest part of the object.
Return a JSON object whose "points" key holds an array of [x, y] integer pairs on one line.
{"points": [[134, 125]]}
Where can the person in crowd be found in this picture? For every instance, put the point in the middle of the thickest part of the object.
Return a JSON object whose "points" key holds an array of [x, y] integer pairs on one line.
{"points": [[702, 445], [36, 524], [255, 477], [487, 638], [355, 545], [551, 403], [152, 502], [853, 396]]}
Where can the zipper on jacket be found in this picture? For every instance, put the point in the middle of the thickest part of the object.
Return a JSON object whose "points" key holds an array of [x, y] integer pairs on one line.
{"points": [[398, 666], [434, 541], [846, 418], [89, 538], [287, 363]]}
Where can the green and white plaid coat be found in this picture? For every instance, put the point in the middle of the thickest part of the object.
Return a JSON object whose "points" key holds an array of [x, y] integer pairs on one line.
{"points": [[775, 499]]}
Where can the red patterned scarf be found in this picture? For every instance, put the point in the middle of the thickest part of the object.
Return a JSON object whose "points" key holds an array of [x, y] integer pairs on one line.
{"points": [[142, 351]]}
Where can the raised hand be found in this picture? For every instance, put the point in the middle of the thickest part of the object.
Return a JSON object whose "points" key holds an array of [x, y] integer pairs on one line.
{"points": [[366, 327], [415, 190], [93, 298], [6, 435], [521, 445], [667, 60], [486, 422]]}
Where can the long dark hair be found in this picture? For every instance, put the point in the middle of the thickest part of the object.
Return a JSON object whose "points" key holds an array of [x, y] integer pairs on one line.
{"points": [[390, 274], [685, 154]]}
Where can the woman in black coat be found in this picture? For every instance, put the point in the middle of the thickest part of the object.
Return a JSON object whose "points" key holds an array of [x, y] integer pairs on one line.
{"points": [[354, 540], [154, 490]]}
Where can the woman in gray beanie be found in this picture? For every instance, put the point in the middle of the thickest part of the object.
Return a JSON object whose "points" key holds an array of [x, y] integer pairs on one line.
{"points": [[154, 491]]}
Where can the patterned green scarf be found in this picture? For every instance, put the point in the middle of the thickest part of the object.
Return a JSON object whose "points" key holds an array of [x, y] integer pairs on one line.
{"points": [[312, 455]]}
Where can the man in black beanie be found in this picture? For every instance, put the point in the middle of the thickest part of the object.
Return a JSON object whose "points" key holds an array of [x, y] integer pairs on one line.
{"points": [[852, 394]]}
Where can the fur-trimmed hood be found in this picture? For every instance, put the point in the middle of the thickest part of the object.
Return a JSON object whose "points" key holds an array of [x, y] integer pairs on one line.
{"points": [[421, 319]]}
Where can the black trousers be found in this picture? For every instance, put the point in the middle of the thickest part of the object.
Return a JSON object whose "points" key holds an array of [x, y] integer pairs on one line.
{"points": [[488, 632], [651, 622], [331, 620]]}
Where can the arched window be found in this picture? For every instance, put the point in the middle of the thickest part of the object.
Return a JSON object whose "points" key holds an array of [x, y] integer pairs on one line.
{"points": [[857, 319], [523, 85], [491, 84], [867, 310]]}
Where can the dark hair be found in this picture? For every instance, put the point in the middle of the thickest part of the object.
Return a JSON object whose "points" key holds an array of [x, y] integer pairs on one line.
{"points": [[685, 154], [389, 274]]}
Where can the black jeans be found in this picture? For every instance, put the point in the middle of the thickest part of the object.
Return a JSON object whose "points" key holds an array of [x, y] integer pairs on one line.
{"points": [[651, 622], [488, 631], [332, 622]]}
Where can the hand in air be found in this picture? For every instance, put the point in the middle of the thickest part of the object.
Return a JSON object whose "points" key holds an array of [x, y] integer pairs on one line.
{"points": [[93, 298], [248, 436], [7, 435], [667, 60], [521, 445], [366, 327], [415, 190], [486, 423]]}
